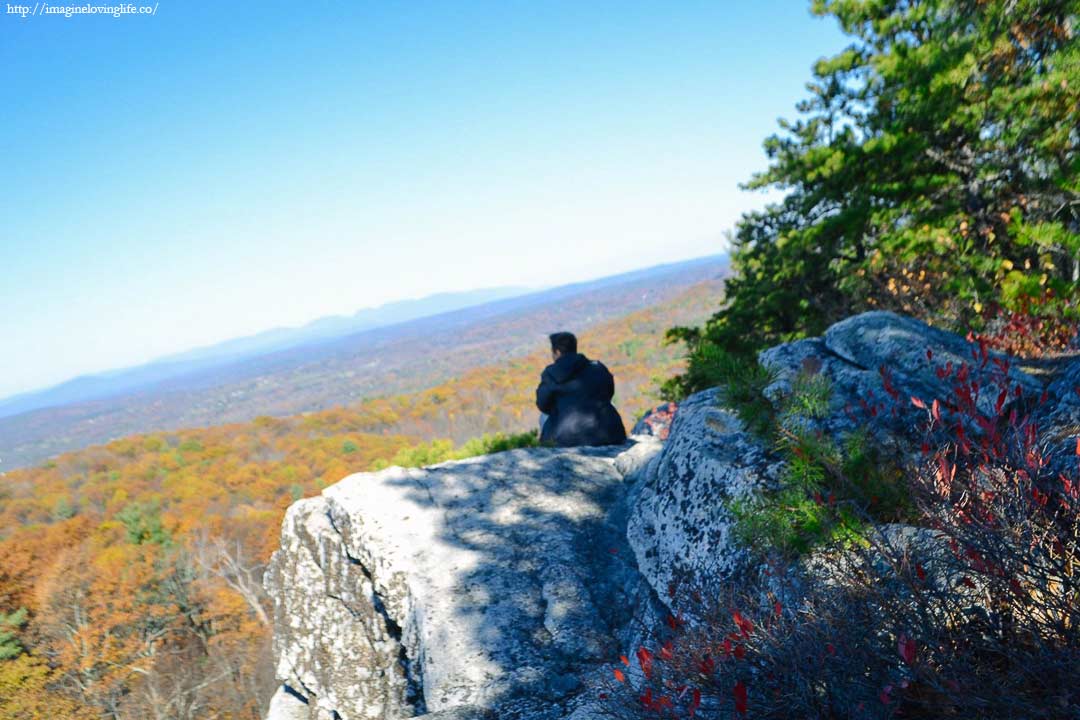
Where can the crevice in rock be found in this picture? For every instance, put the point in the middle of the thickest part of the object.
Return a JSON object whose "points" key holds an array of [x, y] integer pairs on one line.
{"points": [[412, 671], [290, 691], [305, 694]]}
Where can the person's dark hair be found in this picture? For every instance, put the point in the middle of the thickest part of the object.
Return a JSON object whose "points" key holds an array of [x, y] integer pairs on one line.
{"points": [[564, 342]]}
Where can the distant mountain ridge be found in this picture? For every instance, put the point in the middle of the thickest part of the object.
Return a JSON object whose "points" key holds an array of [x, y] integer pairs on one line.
{"points": [[101, 385], [393, 359]]}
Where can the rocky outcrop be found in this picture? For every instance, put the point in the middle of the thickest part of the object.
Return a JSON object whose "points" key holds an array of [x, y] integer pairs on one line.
{"points": [[679, 527], [1060, 419], [494, 587], [495, 583], [876, 362]]}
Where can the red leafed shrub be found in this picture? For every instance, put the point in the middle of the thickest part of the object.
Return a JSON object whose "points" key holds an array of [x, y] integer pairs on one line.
{"points": [[1034, 330], [659, 419], [971, 612]]}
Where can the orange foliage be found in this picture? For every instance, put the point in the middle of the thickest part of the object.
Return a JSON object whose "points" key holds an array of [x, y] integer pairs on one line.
{"points": [[139, 560]]}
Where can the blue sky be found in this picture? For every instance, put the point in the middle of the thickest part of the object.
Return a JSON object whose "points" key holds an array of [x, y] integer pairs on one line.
{"points": [[217, 169]]}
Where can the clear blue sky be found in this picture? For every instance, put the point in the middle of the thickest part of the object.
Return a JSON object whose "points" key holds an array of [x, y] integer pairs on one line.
{"points": [[222, 168]]}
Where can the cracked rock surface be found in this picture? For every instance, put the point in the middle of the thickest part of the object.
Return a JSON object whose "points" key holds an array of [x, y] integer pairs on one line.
{"points": [[679, 526], [485, 585]]}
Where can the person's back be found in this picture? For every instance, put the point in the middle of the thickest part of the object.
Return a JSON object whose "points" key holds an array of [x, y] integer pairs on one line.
{"points": [[576, 394]]}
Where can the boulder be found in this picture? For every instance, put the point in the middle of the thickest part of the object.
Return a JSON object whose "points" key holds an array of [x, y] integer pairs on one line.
{"points": [[1065, 387], [490, 584], [679, 525], [1059, 420], [639, 461], [858, 355], [901, 344], [335, 644]]}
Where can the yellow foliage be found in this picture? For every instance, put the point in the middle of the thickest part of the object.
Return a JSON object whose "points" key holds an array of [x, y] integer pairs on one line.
{"points": [[101, 606]]}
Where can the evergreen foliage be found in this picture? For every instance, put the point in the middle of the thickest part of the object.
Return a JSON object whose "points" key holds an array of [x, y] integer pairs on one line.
{"points": [[829, 487], [10, 624], [933, 170]]}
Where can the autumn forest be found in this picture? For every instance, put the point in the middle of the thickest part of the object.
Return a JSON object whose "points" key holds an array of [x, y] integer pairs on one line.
{"points": [[130, 573]]}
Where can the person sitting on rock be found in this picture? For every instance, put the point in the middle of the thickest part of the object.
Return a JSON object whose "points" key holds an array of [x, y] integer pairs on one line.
{"points": [[575, 394]]}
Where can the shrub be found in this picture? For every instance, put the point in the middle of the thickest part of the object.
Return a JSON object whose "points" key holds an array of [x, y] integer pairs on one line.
{"points": [[828, 485], [975, 615], [1037, 327], [741, 381], [496, 443], [438, 451]]}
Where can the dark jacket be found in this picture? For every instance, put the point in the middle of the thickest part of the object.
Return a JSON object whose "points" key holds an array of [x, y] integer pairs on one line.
{"points": [[576, 394]]}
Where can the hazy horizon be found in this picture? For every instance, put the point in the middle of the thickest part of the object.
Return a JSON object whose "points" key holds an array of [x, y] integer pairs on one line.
{"points": [[214, 343], [162, 197], [518, 291]]}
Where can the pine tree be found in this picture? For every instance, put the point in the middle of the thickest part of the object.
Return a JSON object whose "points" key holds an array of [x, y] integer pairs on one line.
{"points": [[933, 170]]}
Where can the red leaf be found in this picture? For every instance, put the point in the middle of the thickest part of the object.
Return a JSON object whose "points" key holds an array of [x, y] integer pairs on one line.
{"points": [[935, 410], [778, 608], [740, 651], [744, 623], [695, 702], [1002, 397], [830, 648], [1078, 444], [906, 647], [619, 675], [920, 572], [707, 665], [884, 695], [739, 691], [887, 383], [645, 659], [625, 660], [667, 651]]}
